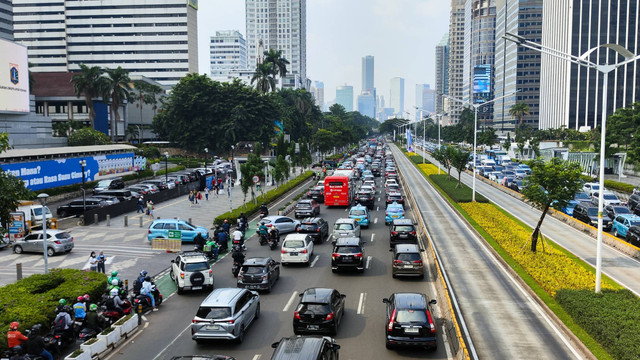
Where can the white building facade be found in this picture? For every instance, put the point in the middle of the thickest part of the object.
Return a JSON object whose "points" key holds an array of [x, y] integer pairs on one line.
{"points": [[227, 52], [6, 20], [396, 99]]}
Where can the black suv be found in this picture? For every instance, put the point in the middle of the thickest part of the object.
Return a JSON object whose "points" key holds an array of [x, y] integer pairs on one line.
{"points": [[317, 194], [633, 202], [365, 198], [316, 227], [348, 253], [108, 184], [306, 347], [375, 170], [409, 321], [259, 273], [402, 231], [76, 207], [588, 214], [320, 310]]}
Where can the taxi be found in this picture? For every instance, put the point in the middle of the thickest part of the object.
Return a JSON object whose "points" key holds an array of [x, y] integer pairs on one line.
{"points": [[360, 214], [394, 211]]}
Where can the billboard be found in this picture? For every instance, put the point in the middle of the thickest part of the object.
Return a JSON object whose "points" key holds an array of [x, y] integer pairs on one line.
{"points": [[14, 78], [482, 79], [46, 174]]}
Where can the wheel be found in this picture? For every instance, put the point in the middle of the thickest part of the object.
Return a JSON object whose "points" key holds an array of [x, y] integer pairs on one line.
{"points": [[361, 270], [50, 252], [63, 214], [334, 330], [240, 337], [388, 345], [394, 276], [17, 249], [615, 232], [334, 270], [297, 228]]}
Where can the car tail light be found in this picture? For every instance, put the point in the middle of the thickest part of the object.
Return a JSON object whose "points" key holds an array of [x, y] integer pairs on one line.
{"points": [[303, 251], [58, 242], [210, 272], [329, 316], [391, 321], [412, 233], [71, 239], [181, 275], [394, 233], [431, 324], [149, 231], [240, 277], [316, 230], [196, 321], [296, 315], [265, 277], [334, 256], [230, 321], [358, 255], [283, 251], [397, 262], [417, 262]]}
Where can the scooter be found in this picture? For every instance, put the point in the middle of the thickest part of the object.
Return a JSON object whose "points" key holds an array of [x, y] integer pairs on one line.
{"points": [[263, 240], [145, 301], [273, 244], [85, 334], [111, 315], [235, 269]]}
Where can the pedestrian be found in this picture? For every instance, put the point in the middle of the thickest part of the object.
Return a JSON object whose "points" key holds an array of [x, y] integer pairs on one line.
{"points": [[150, 209], [101, 261], [93, 262], [140, 206], [206, 193], [215, 188], [191, 198]]}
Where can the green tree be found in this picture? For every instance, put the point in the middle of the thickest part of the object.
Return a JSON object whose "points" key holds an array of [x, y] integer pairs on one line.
{"points": [[459, 160], [116, 85], [518, 111], [13, 188], [88, 83], [143, 93], [252, 167], [277, 61], [488, 137], [263, 77], [555, 181], [88, 136], [623, 132], [507, 142], [443, 156], [324, 140]]}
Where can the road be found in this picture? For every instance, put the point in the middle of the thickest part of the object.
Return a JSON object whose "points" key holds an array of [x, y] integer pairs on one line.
{"points": [[503, 320]]}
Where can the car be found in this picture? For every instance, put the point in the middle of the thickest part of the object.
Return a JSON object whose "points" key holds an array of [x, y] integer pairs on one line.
{"points": [[394, 197], [409, 321], [77, 207], [633, 236], [516, 185], [614, 210], [581, 196], [316, 193], [402, 231], [109, 184], [569, 208], [190, 270], [389, 182], [407, 260], [392, 188], [375, 170], [162, 184], [370, 183], [120, 194], [258, 273], [589, 188], [305, 347], [360, 214], [283, 224], [159, 229], [520, 173], [108, 199], [145, 188], [348, 253], [306, 208], [225, 314], [394, 211], [587, 213], [316, 227], [346, 227], [608, 198], [58, 242], [296, 248], [366, 198], [320, 310], [495, 176], [622, 223], [633, 202]]}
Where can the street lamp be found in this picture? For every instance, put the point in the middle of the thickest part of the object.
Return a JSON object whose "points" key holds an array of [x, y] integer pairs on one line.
{"points": [[166, 167], [43, 200], [475, 132], [233, 165], [83, 163], [605, 69]]}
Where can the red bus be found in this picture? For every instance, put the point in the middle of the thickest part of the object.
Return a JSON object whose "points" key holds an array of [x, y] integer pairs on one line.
{"points": [[338, 191]]}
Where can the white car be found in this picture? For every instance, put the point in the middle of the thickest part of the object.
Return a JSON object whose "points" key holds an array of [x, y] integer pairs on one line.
{"points": [[370, 183], [368, 188], [296, 248], [590, 188], [609, 198], [390, 181]]}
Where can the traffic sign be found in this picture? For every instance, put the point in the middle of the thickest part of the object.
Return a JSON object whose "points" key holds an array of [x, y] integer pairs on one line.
{"points": [[256, 179], [175, 235]]}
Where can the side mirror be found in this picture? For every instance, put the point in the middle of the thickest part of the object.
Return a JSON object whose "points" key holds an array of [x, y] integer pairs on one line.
{"points": [[390, 249], [421, 250], [385, 300], [415, 223], [433, 302], [343, 296], [275, 344], [300, 295], [173, 261], [336, 347]]}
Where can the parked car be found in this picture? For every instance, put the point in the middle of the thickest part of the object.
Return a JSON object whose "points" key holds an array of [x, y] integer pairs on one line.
{"points": [[608, 198], [402, 231], [283, 224], [516, 185], [296, 248], [77, 207], [582, 196], [317, 194], [320, 310], [348, 253], [108, 199], [258, 273], [306, 207], [622, 223], [58, 242], [407, 260], [346, 227], [162, 184], [191, 271], [569, 208], [589, 188], [360, 214], [225, 314], [409, 321], [614, 210], [144, 189], [588, 214], [394, 211], [121, 194], [633, 202], [159, 229], [633, 236], [316, 227], [305, 347], [108, 184]]}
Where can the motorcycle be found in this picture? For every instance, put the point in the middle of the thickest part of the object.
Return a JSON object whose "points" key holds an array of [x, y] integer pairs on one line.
{"points": [[112, 315], [145, 301], [273, 244], [78, 324], [59, 338], [263, 240], [235, 269], [85, 334]]}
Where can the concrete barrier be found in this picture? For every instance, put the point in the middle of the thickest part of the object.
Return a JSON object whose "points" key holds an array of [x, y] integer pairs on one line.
{"points": [[168, 245]]}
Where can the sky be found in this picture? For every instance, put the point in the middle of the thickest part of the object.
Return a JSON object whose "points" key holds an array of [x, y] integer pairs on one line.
{"points": [[400, 34]]}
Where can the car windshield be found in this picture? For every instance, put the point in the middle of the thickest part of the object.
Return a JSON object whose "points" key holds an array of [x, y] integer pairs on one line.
{"points": [[621, 210], [314, 308], [103, 183], [37, 211], [395, 197], [251, 270], [610, 197], [344, 227], [199, 266], [409, 257], [347, 249], [293, 244], [595, 187], [592, 211], [213, 312], [410, 315], [403, 228], [581, 196], [357, 212], [634, 222]]}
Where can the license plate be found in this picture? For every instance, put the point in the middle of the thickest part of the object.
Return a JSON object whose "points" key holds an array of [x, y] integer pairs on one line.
{"points": [[411, 330], [394, 216], [403, 235], [408, 266], [213, 327], [358, 219], [347, 259], [313, 327], [196, 288], [293, 254], [251, 287]]}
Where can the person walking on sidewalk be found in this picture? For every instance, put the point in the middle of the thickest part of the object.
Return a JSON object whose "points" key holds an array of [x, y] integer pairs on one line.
{"points": [[140, 206], [101, 261], [93, 261], [215, 188], [206, 193], [150, 209], [191, 197]]}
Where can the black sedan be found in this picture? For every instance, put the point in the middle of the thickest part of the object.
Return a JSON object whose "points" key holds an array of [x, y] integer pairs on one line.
{"points": [[317, 194], [259, 273], [633, 236], [320, 311], [365, 198]]}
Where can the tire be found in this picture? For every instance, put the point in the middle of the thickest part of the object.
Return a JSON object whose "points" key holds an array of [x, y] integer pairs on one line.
{"points": [[63, 214], [50, 252], [394, 276], [240, 337], [17, 249], [615, 232], [334, 330], [180, 291], [388, 345], [334, 270], [258, 311]]}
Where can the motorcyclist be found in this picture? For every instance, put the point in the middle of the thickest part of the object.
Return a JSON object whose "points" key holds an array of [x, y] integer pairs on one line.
{"points": [[243, 218], [147, 289], [137, 284], [80, 309], [117, 302], [62, 303], [273, 234], [114, 285], [223, 238], [237, 255], [262, 230], [35, 344], [199, 241], [238, 238], [264, 210], [63, 322], [114, 276], [211, 249], [226, 226], [93, 320], [14, 336]]}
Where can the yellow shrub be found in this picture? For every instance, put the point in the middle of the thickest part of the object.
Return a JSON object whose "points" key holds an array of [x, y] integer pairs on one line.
{"points": [[410, 153], [429, 169], [552, 269]]}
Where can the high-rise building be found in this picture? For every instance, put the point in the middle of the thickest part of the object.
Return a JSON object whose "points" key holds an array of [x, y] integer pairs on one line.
{"points": [[456, 59], [517, 68], [442, 72], [157, 39], [6, 20], [425, 100], [571, 95], [228, 52], [367, 74], [344, 97], [396, 99], [367, 104], [279, 25], [318, 94]]}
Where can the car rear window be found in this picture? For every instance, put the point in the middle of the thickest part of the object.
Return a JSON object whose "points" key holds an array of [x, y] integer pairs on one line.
{"points": [[199, 266], [309, 227], [408, 257], [63, 235], [592, 211], [304, 206], [347, 249], [357, 212], [213, 312], [251, 270], [395, 211], [293, 244], [635, 222], [403, 228], [314, 308], [411, 315], [344, 227]]}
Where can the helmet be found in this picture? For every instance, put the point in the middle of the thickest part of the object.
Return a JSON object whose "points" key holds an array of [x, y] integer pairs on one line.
{"points": [[93, 307], [14, 325], [67, 308], [87, 297], [226, 221], [62, 302], [143, 272], [114, 282], [17, 349], [147, 278], [35, 329], [80, 298], [114, 292], [114, 273]]}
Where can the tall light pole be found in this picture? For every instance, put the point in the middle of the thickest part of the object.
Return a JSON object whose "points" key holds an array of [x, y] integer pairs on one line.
{"points": [[475, 131], [43, 200], [166, 167], [605, 69], [83, 163]]}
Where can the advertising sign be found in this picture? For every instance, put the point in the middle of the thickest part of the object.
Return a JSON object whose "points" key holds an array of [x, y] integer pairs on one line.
{"points": [[482, 79], [175, 235], [14, 77], [16, 226], [52, 173]]}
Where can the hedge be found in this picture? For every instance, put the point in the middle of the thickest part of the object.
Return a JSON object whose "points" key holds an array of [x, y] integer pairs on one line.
{"points": [[251, 208], [458, 194], [619, 186], [33, 300]]}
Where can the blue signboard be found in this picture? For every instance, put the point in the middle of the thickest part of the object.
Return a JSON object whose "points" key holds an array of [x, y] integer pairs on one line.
{"points": [[52, 173], [482, 79]]}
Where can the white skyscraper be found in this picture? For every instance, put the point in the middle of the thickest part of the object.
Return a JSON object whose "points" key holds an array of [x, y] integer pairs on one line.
{"points": [[279, 25], [153, 38], [425, 100], [318, 93], [6, 20], [396, 101], [228, 52]]}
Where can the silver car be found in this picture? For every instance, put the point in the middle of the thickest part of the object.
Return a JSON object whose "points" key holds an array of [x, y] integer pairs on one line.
{"points": [[346, 227], [57, 242], [225, 315]]}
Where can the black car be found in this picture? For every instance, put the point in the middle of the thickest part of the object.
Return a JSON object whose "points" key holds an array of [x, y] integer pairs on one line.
{"points": [[259, 273], [394, 197], [365, 198], [515, 185], [121, 194], [633, 235], [409, 321], [375, 170], [614, 210], [320, 310], [633, 202], [317, 194], [348, 253], [108, 184], [588, 214], [316, 227], [306, 347], [76, 207], [402, 231]]}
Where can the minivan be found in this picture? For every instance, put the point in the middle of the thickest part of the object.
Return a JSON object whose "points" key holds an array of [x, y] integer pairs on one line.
{"points": [[346, 228], [407, 260]]}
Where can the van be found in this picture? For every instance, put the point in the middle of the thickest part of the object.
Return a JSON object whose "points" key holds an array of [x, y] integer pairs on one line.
{"points": [[488, 162], [407, 260], [305, 348]]}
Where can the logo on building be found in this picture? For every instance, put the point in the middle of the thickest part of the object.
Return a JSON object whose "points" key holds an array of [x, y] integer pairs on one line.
{"points": [[193, 4], [13, 74]]}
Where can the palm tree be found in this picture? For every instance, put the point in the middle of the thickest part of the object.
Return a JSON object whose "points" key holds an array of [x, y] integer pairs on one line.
{"points": [[263, 77], [279, 63], [87, 83], [116, 86], [518, 111]]}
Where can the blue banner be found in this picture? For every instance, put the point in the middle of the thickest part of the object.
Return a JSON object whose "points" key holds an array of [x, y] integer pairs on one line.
{"points": [[409, 141]]}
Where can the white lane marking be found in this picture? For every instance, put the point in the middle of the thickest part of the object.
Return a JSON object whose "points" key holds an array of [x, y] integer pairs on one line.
{"points": [[372, 236], [378, 208], [315, 260], [378, 198], [368, 262], [172, 342], [363, 297], [293, 297], [256, 357], [375, 221]]}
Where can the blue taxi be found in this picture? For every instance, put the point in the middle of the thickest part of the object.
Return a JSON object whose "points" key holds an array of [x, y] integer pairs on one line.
{"points": [[360, 214], [394, 211], [623, 222]]}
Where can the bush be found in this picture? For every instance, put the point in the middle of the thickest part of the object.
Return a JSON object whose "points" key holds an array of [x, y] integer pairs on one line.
{"points": [[611, 317], [88, 136], [417, 159], [619, 186], [458, 194]]}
